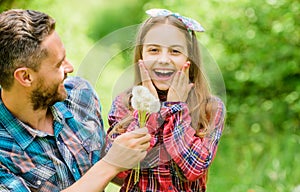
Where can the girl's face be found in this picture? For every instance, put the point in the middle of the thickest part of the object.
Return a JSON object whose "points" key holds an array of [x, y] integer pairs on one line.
{"points": [[164, 53]]}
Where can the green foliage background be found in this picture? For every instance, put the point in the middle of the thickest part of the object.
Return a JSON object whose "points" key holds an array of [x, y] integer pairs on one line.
{"points": [[256, 45]]}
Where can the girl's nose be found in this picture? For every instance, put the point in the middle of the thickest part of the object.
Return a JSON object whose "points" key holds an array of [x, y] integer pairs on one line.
{"points": [[164, 57]]}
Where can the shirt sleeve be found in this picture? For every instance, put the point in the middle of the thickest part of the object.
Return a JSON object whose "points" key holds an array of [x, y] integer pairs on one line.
{"points": [[10, 182], [85, 105], [193, 154]]}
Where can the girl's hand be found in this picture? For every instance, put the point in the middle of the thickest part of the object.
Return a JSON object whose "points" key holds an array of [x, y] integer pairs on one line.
{"points": [[146, 80], [180, 87]]}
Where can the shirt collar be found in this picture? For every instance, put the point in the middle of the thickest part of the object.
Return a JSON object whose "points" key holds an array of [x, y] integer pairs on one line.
{"points": [[60, 114], [22, 133], [14, 127]]}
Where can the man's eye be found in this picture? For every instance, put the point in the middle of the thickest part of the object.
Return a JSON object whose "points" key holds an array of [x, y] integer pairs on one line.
{"points": [[59, 64]]}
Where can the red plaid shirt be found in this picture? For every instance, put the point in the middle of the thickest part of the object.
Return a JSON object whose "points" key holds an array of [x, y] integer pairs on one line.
{"points": [[177, 160]]}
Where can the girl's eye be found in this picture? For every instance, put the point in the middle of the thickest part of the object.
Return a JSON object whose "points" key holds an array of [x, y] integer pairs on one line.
{"points": [[153, 50], [175, 51]]}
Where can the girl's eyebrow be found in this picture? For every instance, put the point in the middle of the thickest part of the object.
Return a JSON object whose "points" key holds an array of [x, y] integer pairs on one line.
{"points": [[152, 44]]}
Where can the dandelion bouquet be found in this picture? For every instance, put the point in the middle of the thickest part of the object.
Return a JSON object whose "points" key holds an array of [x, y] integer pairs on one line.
{"points": [[145, 103]]}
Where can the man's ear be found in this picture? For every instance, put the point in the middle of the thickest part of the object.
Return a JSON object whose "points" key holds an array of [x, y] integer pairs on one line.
{"points": [[24, 76]]}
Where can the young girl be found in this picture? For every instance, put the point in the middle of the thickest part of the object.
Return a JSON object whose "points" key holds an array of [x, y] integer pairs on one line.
{"points": [[187, 129]]}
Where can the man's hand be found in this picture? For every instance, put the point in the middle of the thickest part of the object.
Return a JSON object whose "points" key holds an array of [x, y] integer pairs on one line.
{"points": [[128, 149]]}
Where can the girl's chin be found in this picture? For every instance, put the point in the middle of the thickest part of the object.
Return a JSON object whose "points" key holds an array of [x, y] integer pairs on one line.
{"points": [[162, 87], [161, 84]]}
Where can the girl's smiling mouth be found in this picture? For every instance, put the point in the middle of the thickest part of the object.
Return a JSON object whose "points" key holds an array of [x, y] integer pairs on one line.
{"points": [[164, 73]]}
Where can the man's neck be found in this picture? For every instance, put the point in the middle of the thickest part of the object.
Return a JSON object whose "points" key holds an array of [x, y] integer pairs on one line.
{"points": [[21, 107]]}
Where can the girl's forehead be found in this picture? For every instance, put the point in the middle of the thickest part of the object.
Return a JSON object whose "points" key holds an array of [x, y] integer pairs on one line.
{"points": [[165, 34]]}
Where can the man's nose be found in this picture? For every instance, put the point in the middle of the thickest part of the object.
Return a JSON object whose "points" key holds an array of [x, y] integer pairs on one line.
{"points": [[68, 66]]}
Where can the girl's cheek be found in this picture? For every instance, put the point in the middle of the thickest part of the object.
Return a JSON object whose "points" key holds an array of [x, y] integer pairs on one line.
{"points": [[181, 66], [148, 63]]}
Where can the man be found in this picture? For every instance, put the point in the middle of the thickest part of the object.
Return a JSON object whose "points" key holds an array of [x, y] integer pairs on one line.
{"points": [[51, 130]]}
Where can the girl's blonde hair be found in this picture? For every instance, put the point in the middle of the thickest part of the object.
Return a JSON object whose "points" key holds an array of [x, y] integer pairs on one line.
{"points": [[200, 100]]}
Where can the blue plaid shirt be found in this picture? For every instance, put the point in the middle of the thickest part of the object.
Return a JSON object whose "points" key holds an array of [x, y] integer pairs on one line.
{"points": [[31, 160]]}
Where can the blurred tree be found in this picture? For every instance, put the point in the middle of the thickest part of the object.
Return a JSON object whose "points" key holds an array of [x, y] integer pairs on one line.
{"points": [[116, 15], [261, 63], [5, 4], [260, 60], [112, 17]]}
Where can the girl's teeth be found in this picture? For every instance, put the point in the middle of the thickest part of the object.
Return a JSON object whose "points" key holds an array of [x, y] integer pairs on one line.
{"points": [[164, 73]]}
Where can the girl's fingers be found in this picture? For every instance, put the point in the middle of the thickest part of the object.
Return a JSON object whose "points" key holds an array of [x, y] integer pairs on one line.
{"points": [[184, 74], [180, 86], [146, 79], [186, 68], [190, 86], [144, 73], [176, 78]]}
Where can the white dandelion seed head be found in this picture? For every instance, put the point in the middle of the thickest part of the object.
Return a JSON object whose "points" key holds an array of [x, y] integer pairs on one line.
{"points": [[139, 91], [155, 106], [143, 100]]}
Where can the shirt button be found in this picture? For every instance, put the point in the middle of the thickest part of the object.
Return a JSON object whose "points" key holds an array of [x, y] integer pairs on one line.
{"points": [[74, 170], [58, 143], [38, 182]]}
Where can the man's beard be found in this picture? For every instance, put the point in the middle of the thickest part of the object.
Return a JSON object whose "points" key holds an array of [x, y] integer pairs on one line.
{"points": [[44, 96]]}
